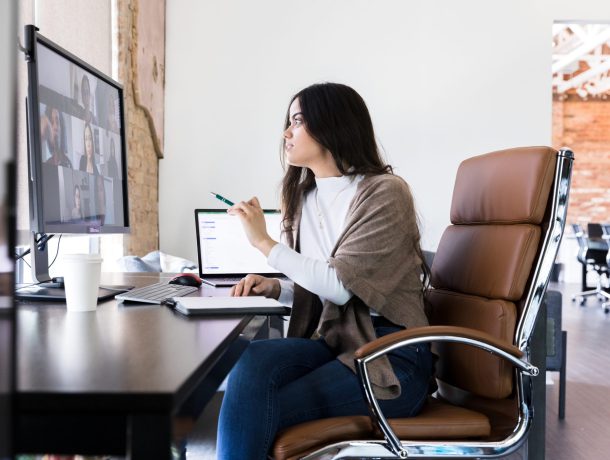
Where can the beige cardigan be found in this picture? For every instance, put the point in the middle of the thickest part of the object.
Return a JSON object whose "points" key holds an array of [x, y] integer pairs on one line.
{"points": [[375, 258]]}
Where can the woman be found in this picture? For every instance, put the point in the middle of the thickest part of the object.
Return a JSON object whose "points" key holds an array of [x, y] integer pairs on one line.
{"points": [[87, 161], [77, 210], [87, 103], [113, 168], [100, 200], [53, 132], [355, 276]]}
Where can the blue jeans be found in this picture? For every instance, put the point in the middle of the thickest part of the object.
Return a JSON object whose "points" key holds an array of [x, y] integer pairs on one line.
{"points": [[282, 382]]}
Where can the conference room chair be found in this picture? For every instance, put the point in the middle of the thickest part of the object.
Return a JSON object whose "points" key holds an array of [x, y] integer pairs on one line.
{"points": [[488, 279], [593, 255], [606, 237], [595, 230]]}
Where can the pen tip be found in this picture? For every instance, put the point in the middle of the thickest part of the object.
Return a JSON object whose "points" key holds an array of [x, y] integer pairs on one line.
{"points": [[212, 193]]}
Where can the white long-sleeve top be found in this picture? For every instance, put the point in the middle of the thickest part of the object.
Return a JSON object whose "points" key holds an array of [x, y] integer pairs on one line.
{"points": [[322, 221]]}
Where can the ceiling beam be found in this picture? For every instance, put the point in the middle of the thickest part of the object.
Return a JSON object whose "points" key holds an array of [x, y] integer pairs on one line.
{"points": [[584, 76], [598, 88], [590, 44]]}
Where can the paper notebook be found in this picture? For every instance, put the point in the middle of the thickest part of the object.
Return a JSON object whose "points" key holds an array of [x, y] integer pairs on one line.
{"points": [[229, 305]]}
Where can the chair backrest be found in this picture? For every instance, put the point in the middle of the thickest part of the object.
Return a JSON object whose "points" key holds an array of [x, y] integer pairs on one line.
{"points": [[487, 261], [606, 235], [594, 230], [581, 238]]}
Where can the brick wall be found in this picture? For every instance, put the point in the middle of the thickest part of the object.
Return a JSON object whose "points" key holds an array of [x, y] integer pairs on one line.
{"points": [[584, 127], [144, 148]]}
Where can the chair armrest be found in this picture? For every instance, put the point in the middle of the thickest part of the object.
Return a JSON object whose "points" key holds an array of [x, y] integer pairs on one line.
{"points": [[387, 343], [429, 331]]}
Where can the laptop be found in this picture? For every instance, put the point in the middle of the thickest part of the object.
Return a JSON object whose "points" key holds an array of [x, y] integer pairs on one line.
{"points": [[224, 253]]}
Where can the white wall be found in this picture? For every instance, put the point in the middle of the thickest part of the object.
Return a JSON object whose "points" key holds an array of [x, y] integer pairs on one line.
{"points": [[443, 80]]}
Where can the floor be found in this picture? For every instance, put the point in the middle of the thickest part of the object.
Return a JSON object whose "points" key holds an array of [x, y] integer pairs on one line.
{"points": [[585, 431]]}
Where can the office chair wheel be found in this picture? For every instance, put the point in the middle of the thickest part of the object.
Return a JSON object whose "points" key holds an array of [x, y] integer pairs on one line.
{"points": [[606, 307], [581, 299]]}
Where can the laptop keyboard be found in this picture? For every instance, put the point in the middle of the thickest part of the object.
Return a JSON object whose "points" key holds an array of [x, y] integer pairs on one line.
{"points": [[156, 293]]}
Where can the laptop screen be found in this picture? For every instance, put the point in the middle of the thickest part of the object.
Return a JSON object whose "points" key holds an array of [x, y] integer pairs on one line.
{"points": [[224, 249]]}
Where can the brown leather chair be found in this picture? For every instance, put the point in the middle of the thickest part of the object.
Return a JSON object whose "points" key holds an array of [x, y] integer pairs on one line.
{"points": [[488, 279]]}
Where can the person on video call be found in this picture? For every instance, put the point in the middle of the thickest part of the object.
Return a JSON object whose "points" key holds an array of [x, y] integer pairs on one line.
{"points": [[77, 210], [87, 160], [113, 168], [52, 134], [354, 261], [100, 200], [111, 118], [85, 91]]}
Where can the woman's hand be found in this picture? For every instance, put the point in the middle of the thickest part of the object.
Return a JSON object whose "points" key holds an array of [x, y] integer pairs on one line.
{"points": [[253, 221], [257, 285]]}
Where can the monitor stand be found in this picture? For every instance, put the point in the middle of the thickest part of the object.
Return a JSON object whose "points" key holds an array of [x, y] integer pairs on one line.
{"points": [[45, 288]]}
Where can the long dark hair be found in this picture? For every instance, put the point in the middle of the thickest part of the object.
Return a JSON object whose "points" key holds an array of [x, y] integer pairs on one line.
{"points": [[62, 130], [88, 127], [337, 118]]}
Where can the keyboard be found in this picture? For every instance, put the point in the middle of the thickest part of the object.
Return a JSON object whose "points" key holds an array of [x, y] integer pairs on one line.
{"points": [[156, 293]]}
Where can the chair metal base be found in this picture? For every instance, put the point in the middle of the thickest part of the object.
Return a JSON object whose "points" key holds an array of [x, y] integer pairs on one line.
{"points": [[599, 292], [377, 450]]}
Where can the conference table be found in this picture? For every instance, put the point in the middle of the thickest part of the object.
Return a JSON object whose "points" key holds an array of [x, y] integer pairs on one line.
{"points": [[110, 381]]}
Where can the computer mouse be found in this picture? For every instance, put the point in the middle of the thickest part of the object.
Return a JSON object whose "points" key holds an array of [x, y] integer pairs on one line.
{"points": [[186, 279]]}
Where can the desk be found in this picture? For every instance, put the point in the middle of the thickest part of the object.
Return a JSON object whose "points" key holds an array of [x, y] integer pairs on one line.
{"points": [[108, 382]]}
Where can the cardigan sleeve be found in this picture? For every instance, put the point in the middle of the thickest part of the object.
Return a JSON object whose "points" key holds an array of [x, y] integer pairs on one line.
{"points": [[312, 274]]}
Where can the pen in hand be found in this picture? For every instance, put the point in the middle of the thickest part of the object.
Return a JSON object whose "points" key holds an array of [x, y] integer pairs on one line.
{"points": [[222, 198]]}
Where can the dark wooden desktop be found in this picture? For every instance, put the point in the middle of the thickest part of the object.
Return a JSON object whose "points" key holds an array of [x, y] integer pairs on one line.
{"points": [[110, 381]]}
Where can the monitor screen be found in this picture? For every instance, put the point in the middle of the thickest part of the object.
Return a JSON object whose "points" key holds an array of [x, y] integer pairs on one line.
{"points": [[77, 145]]}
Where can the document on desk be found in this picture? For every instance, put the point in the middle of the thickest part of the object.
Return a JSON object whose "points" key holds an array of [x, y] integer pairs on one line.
{"points": [[230, 305]]}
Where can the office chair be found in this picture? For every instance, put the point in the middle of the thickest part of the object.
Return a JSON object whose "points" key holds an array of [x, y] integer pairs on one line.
{"points": [[579, 234], [592, 254], [606, 236], [488, 280], [595, 230]]}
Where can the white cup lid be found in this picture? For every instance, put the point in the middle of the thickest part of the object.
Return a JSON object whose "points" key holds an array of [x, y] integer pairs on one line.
{"points": [[92, 258]]}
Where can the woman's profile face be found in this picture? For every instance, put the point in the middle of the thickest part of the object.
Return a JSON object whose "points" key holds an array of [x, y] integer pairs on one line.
{"points": [[88, 143], [299, 147]]}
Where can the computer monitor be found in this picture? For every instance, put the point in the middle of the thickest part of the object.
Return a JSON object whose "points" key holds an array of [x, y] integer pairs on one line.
{"points": [[77, 149]]}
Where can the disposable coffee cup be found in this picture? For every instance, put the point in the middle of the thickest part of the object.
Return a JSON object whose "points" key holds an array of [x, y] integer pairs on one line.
{"points": [[81, 281]]}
